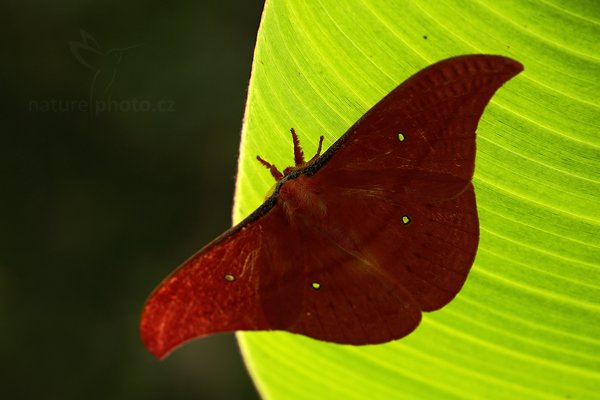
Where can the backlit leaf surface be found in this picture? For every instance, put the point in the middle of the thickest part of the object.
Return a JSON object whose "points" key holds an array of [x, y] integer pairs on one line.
{"points": [[526, 324]]}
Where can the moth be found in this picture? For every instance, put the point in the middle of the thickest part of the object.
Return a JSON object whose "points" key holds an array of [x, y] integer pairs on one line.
{"points": [[354, 244]]}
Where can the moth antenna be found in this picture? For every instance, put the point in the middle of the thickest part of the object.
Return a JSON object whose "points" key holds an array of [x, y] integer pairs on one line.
{"points": [[298, 153], [318, 150], [274, 171]]}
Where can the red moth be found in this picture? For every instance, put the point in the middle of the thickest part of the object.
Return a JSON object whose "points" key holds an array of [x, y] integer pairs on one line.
{"points": [[354, 244]]}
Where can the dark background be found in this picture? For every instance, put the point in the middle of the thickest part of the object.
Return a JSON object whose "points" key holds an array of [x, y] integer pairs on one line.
{"points": [[97, 207]]}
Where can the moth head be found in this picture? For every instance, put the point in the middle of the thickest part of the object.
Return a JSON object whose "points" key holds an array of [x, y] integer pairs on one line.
{"points": [[299, 162]]}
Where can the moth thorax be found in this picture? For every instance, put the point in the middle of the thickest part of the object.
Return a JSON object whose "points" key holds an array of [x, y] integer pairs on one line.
{"points": [[299, 198]]}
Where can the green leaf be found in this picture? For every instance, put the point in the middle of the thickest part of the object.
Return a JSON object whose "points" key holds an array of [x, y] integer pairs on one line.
{"points": [[526, 325]]}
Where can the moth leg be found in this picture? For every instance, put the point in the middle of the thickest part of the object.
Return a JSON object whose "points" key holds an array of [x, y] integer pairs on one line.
{"points": [[298, 153], [318, 151], [274, 171]]}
